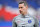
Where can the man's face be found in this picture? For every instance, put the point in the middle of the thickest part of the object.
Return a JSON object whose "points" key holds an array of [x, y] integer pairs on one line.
{"points": [[22, 8]]}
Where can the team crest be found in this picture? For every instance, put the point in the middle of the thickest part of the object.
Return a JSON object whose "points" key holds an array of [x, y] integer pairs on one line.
{"points": [[29, 21]]}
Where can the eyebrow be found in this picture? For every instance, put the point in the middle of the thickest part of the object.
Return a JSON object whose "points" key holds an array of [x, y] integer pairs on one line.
{"points": [[20, 7]]}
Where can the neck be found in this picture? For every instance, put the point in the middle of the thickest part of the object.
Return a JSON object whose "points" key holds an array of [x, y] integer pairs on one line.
{"points": [[25, 13]]}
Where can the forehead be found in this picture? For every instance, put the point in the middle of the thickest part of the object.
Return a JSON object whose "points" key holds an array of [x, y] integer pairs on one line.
{"points": [[21, 4]]}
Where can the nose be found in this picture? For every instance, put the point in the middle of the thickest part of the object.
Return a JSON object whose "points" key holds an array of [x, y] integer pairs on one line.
{"points": [[20, 9]]}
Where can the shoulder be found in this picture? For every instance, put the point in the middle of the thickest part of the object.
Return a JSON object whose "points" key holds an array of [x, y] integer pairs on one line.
{"points": [[33, 17]]}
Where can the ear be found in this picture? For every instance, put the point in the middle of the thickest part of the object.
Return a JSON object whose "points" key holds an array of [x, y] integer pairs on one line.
{"points": [[27, 6]]}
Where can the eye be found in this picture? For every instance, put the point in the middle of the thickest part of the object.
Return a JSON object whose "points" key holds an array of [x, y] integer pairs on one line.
{"points": [[21, 7]]}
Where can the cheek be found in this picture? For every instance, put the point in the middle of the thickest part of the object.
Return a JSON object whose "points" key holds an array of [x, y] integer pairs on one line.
{"points": [[23, 9]]}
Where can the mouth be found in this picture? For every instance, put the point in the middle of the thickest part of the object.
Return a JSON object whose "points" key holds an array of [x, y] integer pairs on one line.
{"points": [[20, 11]]}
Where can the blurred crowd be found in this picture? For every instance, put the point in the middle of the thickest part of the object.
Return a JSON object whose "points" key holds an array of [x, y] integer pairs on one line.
{"points": [[9, 9]]}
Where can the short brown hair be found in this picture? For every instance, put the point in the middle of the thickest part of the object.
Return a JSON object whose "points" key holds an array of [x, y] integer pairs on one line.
{"points": [[23, 2]]}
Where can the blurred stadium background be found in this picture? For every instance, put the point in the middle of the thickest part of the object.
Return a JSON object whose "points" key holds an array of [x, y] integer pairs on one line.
{"points": [[9, 9]]}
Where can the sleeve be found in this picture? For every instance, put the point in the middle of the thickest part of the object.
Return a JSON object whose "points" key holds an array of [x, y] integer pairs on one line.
{"points": [[13, 23], [36, 23]]}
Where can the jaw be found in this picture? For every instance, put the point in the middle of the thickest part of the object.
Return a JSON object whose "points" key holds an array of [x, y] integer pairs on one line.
{"points": [[24, 13]]}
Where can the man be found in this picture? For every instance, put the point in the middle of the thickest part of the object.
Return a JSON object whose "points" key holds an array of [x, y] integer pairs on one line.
{"points": [[24, 19]]}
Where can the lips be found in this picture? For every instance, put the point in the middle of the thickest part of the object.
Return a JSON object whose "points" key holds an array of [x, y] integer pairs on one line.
{"points": [[20, 11]]}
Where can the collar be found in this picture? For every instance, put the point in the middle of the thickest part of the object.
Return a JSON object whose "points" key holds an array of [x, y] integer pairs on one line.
{"points": [[25, 16]]}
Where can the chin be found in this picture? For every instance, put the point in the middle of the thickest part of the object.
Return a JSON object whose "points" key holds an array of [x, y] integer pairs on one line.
{"points": [[21, 13]]}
